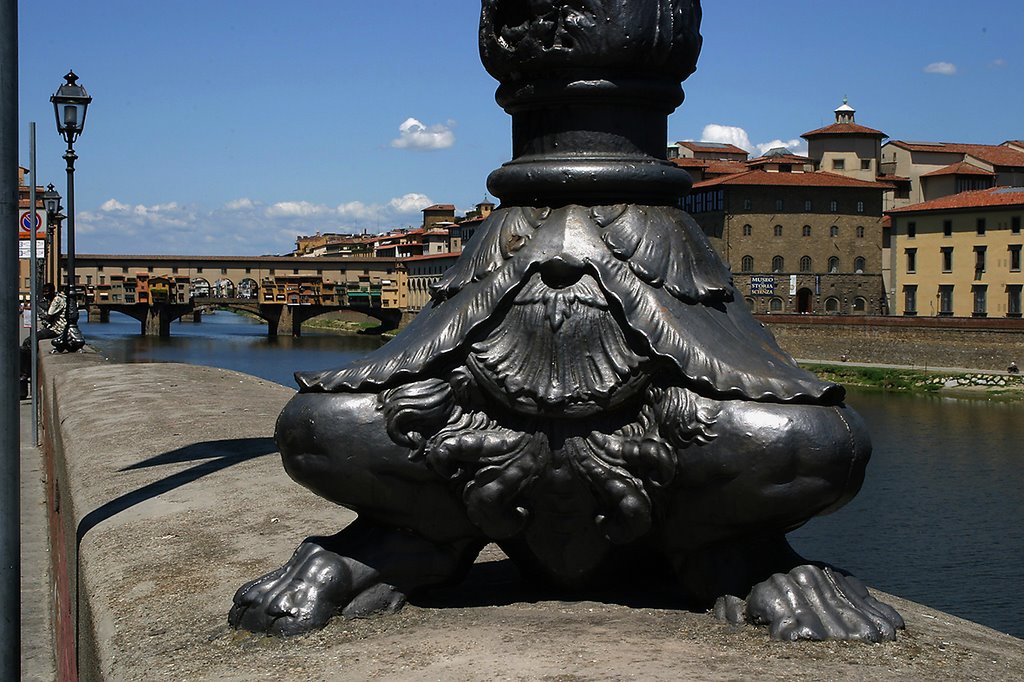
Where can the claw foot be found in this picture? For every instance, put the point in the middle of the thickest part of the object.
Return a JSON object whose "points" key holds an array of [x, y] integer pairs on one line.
{"points": [[315, 585], [812, 602]]}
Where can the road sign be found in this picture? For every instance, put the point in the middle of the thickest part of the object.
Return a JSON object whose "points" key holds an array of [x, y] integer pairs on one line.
{"points": [[25, 225]]}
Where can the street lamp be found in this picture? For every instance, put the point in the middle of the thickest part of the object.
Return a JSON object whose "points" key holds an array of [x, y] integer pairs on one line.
{"points": [[51, 201], [70, 103]]}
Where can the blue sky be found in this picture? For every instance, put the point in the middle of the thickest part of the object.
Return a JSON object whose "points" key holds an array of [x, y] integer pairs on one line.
{"points": [[229, 127]]}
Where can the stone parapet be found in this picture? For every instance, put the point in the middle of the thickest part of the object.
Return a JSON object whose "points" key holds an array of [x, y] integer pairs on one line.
{"points": [[169, 493]]}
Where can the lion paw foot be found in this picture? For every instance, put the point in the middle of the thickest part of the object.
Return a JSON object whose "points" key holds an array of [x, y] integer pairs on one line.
{"points": [[304, 594], [811, 602]]}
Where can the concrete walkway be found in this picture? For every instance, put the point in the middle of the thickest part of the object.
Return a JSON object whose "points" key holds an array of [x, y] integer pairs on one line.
{"points": [[917, 368], [37, 642], [170, 481]]}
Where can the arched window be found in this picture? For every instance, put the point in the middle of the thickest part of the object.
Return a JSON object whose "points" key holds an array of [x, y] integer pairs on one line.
{"points": [[832, 305], [778, 264], [775, 305], [749, 301], [747, 230], [778, 230], [860, 232], [833, 264], [807, 230], [860, 305], [858, 264], [833, 206], [805, 264], [833, 231], [747, 264]]}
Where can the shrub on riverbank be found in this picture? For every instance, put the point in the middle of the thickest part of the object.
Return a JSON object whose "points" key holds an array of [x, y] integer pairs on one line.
{"points": [[920, 381]]}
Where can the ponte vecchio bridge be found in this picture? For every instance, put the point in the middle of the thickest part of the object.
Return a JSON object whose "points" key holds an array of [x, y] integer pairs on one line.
{"points": [[285, 291]]}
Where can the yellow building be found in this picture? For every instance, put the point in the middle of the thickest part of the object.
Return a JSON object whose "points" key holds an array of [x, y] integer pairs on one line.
{"points": [[960, 255]]}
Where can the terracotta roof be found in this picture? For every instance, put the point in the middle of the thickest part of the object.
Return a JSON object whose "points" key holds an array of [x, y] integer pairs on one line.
{"points": [[781, 158], [983, 198], [817, 179], [725, 167], [712, 147], [959, 168], [845, 129], [882, 177], [886, 221], [997, 155], [440, 207], [687, 162]]}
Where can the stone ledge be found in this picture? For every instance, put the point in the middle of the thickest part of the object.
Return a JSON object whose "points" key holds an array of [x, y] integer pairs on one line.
{"points": [[169, 478]]}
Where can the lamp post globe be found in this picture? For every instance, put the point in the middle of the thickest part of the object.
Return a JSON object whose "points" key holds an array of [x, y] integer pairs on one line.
{"points": [[70, 104]]}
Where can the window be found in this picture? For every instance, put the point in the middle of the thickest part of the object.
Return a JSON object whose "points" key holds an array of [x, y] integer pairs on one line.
{"points": [[1013, 306], [778, 230], [911, 230], [149, 269], [833, 264], [833, 231], [979, 293], [838, 164], [910, 299], [1015, 258], [860, 305], [858, 264], [779, 204], [832, 305], [947, 228], [295, 271], [865, 164], [775, 305], [99, 268], [911, 260], [860, 232], [947, 259], [778, 264], [747, 264], [860, 207], [200, 270], [747, 230], [808, 205], [747, 204], [979, 260], [945, 299], [980, 226], [1015, 224], [833, 206], [807, 230], [805, 264]]}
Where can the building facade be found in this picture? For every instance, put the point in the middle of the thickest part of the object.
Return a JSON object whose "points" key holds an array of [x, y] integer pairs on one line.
{"points": [[797, 242], [960, 255]]}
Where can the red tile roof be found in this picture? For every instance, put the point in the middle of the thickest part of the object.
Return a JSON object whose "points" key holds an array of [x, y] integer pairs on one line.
{"points": [[725, 167], [440, 207], [983, 198], [997, 155], [817, 179], [782, 158], [891, 179], [712, 147], [845, 129], [959, 168]]}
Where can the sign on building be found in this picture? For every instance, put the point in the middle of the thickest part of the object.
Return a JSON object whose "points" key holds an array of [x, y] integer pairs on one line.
{"points": [[762, 285]]}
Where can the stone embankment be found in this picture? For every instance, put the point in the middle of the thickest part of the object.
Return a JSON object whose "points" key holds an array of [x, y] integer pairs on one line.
{"points": [[913, 342], [167, 494]]}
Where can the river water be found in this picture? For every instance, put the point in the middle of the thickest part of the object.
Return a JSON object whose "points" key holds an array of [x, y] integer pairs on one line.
{"points": [[940, 519]]}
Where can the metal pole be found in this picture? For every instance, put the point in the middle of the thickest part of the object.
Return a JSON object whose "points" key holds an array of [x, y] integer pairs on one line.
{"points": [[33, 268], [72, 301], [10, 431]]}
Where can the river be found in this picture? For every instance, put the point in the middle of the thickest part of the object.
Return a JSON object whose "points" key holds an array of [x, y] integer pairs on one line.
{"points": [[940, 519]]}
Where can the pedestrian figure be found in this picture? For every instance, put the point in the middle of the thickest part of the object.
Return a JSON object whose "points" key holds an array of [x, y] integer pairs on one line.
{"points": [[1013, 369], [51, 323]]}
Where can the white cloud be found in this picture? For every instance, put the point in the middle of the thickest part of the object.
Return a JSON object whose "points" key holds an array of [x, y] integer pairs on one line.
{"points": [[714, 132], [735, 135], [410, 203], [414, 135], [240, 204], [997, 63], [239, 227], [299, 209], [941, 68]]}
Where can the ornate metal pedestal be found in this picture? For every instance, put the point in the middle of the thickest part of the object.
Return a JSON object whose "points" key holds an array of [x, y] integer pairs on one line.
{"points": [[587, 388]]}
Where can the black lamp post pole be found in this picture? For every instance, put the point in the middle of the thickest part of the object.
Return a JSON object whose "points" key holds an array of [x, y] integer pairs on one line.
{"points": [[71, 311]]}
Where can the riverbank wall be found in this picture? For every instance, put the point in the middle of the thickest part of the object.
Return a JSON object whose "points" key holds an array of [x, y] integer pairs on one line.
{"points": [[987, 344], [166, 494]]}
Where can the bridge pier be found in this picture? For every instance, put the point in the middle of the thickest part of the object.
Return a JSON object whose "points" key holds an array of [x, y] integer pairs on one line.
{"points": [[197, 315], [157, 322]]}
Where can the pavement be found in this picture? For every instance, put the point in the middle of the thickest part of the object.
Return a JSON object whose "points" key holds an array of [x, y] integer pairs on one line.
{"points": [[173, 496], [919, 368], [37, 642]]}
